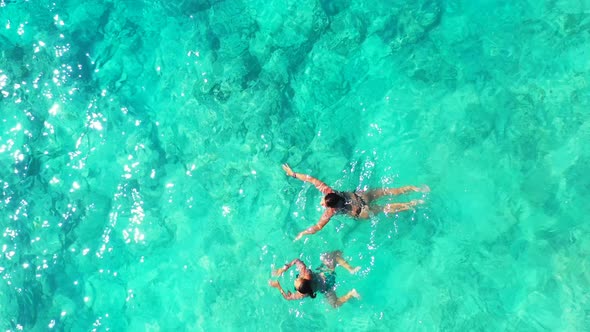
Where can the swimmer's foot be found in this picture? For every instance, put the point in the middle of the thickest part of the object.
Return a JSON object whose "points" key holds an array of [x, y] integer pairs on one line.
{"points": [[425, 189]]}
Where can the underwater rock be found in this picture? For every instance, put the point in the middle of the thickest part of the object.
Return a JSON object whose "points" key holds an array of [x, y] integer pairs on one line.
{"points": [[346, 33], [105, 293], [333, 7], [187, 7], [409, 23]]}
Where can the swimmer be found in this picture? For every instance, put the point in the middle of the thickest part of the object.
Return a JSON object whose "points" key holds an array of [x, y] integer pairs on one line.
{"points": [[355, 204], [308, 282]]}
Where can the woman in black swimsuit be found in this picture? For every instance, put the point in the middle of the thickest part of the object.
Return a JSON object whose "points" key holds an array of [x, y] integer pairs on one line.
{"points": [[355, 204], [309, 282]]}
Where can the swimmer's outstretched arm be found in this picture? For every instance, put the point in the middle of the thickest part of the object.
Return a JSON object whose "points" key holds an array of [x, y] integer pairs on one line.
{"points": [[300, 266], [324, 188], [315, 228], [288, 295]]}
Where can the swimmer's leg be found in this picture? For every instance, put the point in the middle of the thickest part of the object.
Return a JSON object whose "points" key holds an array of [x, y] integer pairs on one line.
{"points": [[329, 259], [399, 207], [336, 301], [378, 193], [342, 262]]}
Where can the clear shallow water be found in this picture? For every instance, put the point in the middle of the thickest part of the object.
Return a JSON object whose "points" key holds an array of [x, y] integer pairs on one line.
{"points": [[141, 144]]}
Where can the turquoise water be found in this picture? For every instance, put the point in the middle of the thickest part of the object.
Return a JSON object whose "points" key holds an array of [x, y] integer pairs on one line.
{"points": [[141, 145]]}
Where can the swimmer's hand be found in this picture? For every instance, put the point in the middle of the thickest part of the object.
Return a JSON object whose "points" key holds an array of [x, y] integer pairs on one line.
{"points": [[299, 236], [278, 272], [275, 284], [288, 170], [355, 294], [355, 270]]}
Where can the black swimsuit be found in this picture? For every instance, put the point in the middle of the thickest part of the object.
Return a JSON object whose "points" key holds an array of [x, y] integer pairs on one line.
{"points": [[354, 203], [360, 207]]}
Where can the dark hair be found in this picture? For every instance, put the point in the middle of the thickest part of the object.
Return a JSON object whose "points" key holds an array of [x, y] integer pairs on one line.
{"points": [[305, 288], [334, 200]]}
